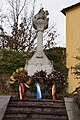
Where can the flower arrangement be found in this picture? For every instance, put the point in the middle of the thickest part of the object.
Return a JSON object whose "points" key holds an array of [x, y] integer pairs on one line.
{"points": [[47, 82], [60, 80], [20, 76], [17, 77]]}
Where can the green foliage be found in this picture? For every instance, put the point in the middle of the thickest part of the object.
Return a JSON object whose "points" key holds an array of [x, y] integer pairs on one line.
{"points": [[11, 61], [58, 57]]}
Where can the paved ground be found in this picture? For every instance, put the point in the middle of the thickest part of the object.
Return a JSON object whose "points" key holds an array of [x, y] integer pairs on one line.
{"points": [[72, 109], [3, 104]]}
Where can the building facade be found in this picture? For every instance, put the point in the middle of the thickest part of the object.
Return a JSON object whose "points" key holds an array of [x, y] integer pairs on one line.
{"points": [[72, 14]]}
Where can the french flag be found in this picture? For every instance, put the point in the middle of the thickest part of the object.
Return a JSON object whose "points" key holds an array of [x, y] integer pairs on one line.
{"points": [[38, 94]]}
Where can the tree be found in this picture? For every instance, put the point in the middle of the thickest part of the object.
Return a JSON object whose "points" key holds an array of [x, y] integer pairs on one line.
{"points": [[23, 36], [49, 36], [2, 40]]}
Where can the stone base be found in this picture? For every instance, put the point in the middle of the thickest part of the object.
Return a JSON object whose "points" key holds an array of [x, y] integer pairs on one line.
{"points": [[39, 62], [34, 68]]}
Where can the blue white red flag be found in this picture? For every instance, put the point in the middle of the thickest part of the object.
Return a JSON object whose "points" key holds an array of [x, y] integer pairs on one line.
{"points": [[38, 94]]}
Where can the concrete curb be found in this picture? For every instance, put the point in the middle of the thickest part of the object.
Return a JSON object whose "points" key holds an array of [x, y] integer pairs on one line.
{"points": [[72, 109], [4, 100]]}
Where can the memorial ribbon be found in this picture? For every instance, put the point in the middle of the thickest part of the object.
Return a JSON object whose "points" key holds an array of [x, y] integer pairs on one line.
{"points": [[54, 91], [38, 92], [21, 91]]}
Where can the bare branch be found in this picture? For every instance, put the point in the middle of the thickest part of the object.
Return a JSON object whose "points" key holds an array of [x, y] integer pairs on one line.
{"points": [[22, 7], [11, 4]]}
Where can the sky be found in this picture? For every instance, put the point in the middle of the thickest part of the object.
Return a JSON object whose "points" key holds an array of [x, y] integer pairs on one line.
{"points": [[54, 8]]}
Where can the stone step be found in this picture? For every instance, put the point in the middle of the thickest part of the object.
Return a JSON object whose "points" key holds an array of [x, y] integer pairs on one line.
{"points": [[36, 106], [31, 117], [35, 102], [36, 111], [32, 109]]}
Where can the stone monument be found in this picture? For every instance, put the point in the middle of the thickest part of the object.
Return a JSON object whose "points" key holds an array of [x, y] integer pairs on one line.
{"points": [[39, 60]]}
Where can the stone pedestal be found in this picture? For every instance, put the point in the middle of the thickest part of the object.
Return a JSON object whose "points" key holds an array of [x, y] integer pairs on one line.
{"points": [[39, 61]]}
